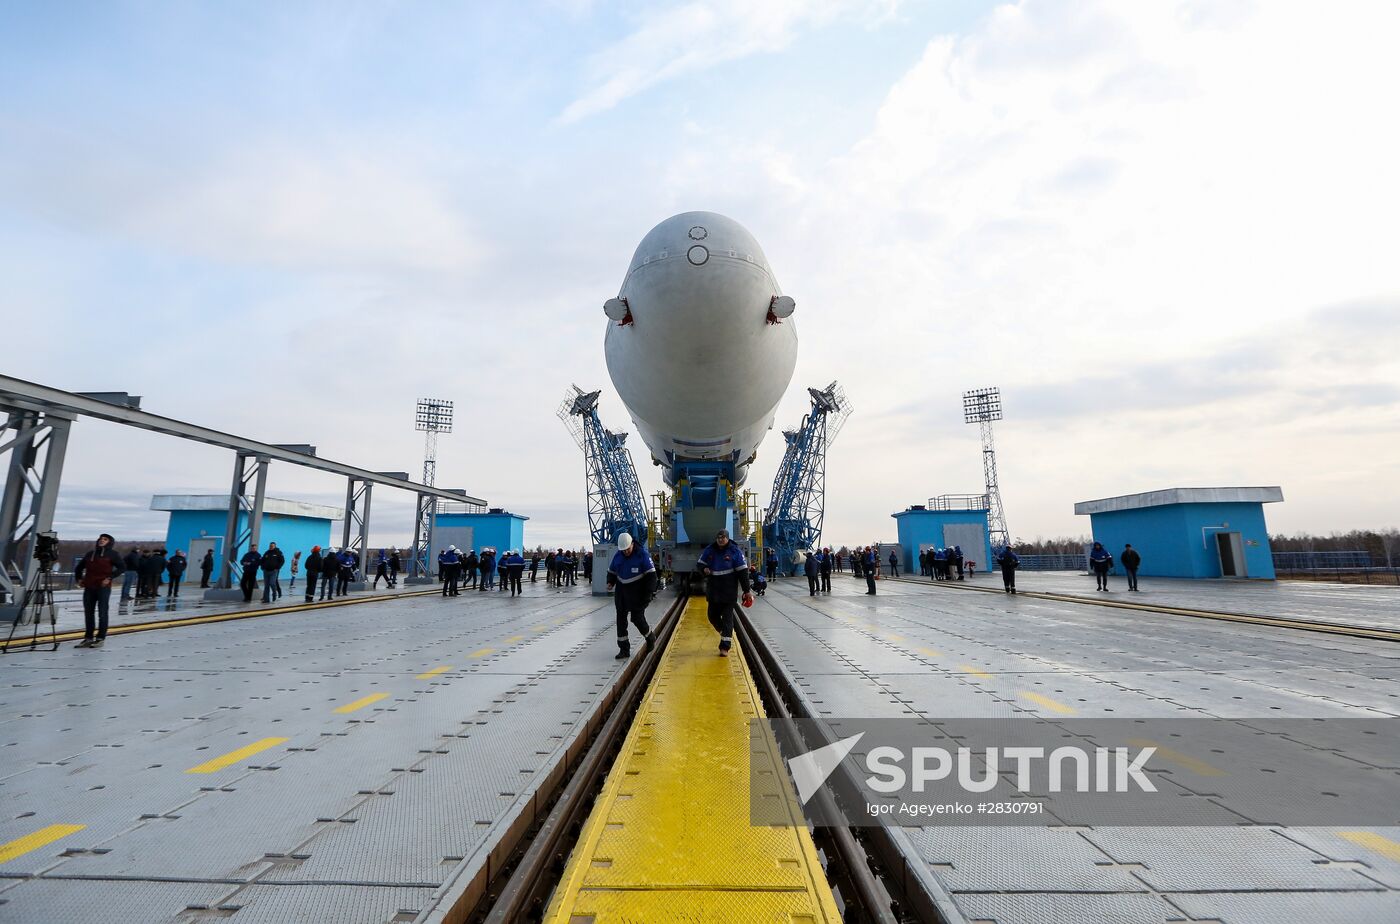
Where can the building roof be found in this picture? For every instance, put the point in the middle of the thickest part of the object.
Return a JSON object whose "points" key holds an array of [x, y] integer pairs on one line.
{"points": [[277, 505], [482, 513], [1264, 495]]}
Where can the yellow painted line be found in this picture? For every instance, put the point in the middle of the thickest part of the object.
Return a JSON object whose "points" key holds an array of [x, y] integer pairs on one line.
{"points": [[482, 652], [22, 845], [513, 639], [233, 757], [1050, 704], [969, 669], [537, 628], [683, 779], [440, 669], [361, 703], [931, 652], [1198, 767], [1368, 839], [895, 638]]}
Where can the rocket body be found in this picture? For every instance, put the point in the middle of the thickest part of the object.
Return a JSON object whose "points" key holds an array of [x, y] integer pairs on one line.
{"points": [[698, 360]]}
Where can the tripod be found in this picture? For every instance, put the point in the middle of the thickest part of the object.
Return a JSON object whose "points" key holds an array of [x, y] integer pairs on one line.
{"points": [[36, 599]]}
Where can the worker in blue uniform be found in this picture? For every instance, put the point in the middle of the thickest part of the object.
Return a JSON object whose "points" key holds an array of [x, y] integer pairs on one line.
{"points": [[869, 562], [726, 570], [1100, 560], [632, 578], [514, 565], [1009, 562]]}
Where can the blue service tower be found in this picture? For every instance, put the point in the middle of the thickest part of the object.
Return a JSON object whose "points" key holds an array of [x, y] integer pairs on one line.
{"points": [[615, 503], [794, 521]]}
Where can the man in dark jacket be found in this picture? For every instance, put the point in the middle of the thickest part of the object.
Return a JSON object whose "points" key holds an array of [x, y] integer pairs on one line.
{"points": [[632, 577], [811, 569], [175, 567], [131, 570], [348, 560], [894, 565], [726, 570], [514, 564], [271, 565], [958, 560], [449, 563], [1131, 562], [395, 566], [1100, 561], [206, 568], [534, 566], [314, 563], [471, 566], [869, 562], [1009, 562], [330, 573], [94, 573], [248, 582], [824, 569]]}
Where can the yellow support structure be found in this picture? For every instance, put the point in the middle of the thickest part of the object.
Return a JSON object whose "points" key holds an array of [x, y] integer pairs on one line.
{"points": [[670, 838]]}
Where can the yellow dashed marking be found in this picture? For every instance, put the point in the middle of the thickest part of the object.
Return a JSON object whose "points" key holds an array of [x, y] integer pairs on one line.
{"points": [[22, 845], [361, 703], [931, 652], [1199, 767], [482, 652], [441, 669], [1368, 839], [1050, 704], [513, 639], [969, 669], [233, 757]]}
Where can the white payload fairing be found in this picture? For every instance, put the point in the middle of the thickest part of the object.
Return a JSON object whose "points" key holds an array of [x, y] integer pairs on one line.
{"points": [[701, 344]]}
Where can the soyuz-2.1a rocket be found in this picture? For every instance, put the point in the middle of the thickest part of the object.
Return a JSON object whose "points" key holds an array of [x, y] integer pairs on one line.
{"points": [[701, 345]]}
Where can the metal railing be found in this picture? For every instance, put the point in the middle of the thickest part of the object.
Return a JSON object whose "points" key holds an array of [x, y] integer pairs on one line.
{"points": [[1058, 562]]}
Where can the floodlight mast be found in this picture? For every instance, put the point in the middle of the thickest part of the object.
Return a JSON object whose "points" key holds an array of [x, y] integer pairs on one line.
{"points": [[982, 406], [433, 416]]}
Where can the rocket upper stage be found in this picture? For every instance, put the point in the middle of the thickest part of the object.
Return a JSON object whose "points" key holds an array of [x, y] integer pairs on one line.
{"points": [[701, 345]]}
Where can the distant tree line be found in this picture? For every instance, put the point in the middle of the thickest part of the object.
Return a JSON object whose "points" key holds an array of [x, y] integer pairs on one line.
{"points": [[1060, 545], [1384, 544]]}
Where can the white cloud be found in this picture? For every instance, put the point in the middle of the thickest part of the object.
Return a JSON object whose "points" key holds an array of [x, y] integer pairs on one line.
{"points": [[698, 35]]}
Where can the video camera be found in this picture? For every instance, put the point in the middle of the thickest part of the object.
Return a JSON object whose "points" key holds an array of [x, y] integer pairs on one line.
{"points": [[46, 548]]}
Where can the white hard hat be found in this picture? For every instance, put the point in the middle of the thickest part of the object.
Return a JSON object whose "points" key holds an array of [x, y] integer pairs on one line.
{"points": [[624, 541]]}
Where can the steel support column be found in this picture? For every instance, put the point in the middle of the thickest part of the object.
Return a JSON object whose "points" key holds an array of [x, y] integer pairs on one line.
{"points": [[357, 499], [37, 443], [422, 540], [238, 503]]}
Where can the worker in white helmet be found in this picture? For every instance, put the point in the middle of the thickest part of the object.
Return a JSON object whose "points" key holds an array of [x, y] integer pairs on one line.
{"points": [[633, 578]]}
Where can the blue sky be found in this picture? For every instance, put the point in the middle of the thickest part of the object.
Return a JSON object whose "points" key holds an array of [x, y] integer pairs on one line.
{"points": [[1168, 240]]}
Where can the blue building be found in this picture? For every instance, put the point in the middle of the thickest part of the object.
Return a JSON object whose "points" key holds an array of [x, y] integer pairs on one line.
{"points": [[1189, 532], [947, 521], [497, 529], [197, 524]]}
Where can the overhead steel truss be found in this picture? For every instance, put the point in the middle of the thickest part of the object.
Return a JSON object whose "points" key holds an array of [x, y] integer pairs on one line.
{"points": [[615, 503], [794, 521], [37, 425]]}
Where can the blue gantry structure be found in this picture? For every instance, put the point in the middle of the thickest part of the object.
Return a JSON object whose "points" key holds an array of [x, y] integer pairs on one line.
{"points": [[615, 501], [794, 521]]}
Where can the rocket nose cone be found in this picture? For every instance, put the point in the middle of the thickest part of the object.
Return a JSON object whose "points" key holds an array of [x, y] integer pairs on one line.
{"points": [[699, 236]]}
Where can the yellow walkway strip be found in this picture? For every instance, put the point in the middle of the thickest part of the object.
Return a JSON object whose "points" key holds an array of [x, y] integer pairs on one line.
{"points": [[361, 703], [481, 652], [670, 837], [1198, 767], [513, 639], [22, 845], [1368, 839], [969, 669], [440, 669], [931, 652], [233, 757], [1048, 703]]}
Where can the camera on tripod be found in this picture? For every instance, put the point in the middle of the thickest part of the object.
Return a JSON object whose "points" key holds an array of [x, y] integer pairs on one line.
{"points": [[46, 549]]}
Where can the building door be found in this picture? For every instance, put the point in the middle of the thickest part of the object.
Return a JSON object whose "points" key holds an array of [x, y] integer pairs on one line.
{"points": [[195, 553], [972, 537], [1231, 548]]}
